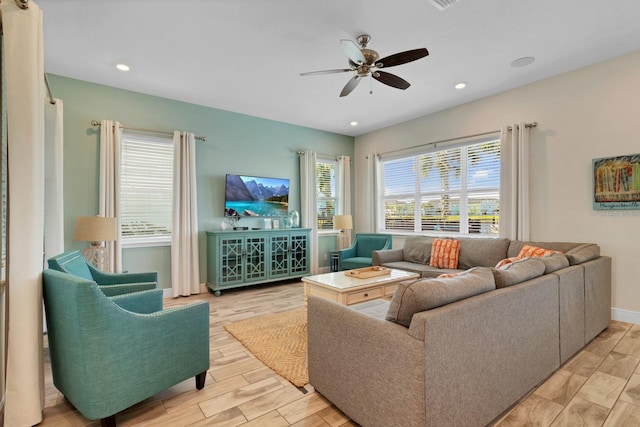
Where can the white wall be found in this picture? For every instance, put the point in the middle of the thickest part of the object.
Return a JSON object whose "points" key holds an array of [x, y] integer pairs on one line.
{"points": [[589, 113]]}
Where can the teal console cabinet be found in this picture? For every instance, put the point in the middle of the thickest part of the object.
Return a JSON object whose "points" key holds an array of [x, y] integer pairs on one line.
{"points": [[244, 258]]}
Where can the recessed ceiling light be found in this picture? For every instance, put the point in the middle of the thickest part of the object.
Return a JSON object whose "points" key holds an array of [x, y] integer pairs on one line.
{"points": [[122, 67], [522, 62], [460, 85], [353, 123]]}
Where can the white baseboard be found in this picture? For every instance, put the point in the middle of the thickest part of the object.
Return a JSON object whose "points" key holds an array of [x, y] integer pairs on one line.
{"points": [[625, 315], [168, 292]]}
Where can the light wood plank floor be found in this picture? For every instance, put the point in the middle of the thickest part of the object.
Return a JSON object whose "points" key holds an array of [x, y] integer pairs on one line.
{"points": [[599, 386]]}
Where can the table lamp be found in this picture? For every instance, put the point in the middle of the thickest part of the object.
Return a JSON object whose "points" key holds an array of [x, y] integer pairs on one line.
{"points": [[342, 223], [96, 229]]}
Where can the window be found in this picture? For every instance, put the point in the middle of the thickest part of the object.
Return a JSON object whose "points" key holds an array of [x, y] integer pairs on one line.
{"points": [[452, 190], [146, 189], [326, 192]]}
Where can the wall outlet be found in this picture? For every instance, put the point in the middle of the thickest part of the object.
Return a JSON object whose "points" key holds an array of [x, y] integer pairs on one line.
{"points": [[326, 257]]}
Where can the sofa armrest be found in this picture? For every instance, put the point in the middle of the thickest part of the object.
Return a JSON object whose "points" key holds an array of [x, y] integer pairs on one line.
{"points": [[126, 288], [347, 253], [356, 360], [144, 302], [381, 257], [102, 278]]}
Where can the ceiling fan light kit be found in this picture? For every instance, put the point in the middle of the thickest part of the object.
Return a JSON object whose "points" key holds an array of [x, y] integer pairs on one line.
{"points": [[365, 62]]}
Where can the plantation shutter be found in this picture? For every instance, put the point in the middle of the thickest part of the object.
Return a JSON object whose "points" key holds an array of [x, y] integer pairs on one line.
{"points": [[326, 196], [400, 180], [146, 187]]}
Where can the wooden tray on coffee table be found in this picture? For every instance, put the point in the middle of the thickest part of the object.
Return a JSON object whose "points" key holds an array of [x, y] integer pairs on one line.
{"points": [[365, 273]]}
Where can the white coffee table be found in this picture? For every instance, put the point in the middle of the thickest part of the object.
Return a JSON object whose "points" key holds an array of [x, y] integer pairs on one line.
{"points": [[351, 290]]}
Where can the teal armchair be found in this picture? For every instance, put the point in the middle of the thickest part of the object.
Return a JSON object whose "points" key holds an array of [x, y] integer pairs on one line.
{"points": [[359, 254], [73, 262], [109, 353]]}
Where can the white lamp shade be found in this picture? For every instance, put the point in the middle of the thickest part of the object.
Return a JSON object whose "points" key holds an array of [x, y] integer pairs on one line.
{"points": [[342, 222], [96, 229]]}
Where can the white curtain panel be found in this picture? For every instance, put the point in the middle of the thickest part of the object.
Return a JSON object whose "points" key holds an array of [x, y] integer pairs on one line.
{"points": [[343, 184], [184, 234], [53, 183], [370, 213], [109, 197], [308, 206], [25, 93], [514, 182]]}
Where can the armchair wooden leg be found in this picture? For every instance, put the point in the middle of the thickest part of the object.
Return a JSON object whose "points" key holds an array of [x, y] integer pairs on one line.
{"points": [[200, 378], [108, 421]]}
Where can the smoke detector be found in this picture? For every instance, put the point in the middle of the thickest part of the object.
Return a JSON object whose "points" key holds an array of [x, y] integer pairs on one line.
{"points": [[442, 4]]}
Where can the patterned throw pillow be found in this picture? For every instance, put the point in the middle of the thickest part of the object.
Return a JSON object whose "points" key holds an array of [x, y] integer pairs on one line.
{"points": [[444, 253], [447, 275], [506, 261], [528, 250]]}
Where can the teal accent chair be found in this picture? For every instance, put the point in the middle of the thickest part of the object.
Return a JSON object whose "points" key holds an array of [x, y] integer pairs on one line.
{"points": [[73, 262], [359, 254], [109, 353]]}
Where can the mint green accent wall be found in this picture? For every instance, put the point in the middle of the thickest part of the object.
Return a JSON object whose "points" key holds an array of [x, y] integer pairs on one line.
{"points": [[325, 245], [236, 143]]}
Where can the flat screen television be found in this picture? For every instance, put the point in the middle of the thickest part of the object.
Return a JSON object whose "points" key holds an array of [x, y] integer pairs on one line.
{"points": [[256, 196]]}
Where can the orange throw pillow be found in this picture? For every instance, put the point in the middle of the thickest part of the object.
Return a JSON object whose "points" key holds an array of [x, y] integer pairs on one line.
{"points": [[506, 261], [444, 253], [528, 250], [447, 275]]}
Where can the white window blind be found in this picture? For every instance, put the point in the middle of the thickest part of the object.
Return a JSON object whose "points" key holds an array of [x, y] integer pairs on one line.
{"points": [[452, 190], [146, 188], [326, 192]]}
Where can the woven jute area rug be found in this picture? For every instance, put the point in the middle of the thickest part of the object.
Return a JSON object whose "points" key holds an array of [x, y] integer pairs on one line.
{"points": [[279, 341]]}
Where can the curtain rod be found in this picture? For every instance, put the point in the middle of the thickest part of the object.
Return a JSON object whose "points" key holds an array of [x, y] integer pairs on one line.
{"points": [[161, 132], [329, 156], [46, 82], [23, 4], [510, 128]]}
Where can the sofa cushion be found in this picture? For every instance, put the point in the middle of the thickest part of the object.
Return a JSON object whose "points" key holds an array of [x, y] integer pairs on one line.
{"points": [[518, 272], [583, 253], [484, 252], [554, 261], [355, 262], [417, 249], [424, 270], [444, 253], [419, 295]]}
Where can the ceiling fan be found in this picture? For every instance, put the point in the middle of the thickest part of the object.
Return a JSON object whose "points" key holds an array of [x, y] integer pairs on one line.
{"points": [[365, 62]]}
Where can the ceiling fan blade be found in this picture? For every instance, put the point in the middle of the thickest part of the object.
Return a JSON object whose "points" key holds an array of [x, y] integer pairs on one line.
{"points": [[316, 73], [353, 51], [350, 86], [390, 80], [402, 58]]}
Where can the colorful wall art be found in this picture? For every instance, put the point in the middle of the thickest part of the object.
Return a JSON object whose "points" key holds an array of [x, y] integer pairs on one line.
{"points": [[616, 182]]}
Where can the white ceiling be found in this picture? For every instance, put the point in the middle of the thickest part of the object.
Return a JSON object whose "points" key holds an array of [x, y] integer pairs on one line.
{"points": [[246, 55]]}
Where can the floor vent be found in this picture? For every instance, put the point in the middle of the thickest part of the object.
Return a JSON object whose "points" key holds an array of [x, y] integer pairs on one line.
{"points": [[442, 4]]}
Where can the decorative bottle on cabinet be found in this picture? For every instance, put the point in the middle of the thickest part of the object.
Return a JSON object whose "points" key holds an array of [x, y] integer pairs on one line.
{"points": [[295, 219]]}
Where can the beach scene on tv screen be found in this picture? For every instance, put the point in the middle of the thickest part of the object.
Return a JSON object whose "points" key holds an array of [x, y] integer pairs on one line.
{"points": [[256, 196]]}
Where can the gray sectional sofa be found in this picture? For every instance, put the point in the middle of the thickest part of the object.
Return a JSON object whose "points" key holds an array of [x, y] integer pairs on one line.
{"points": [[458, 351]]}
